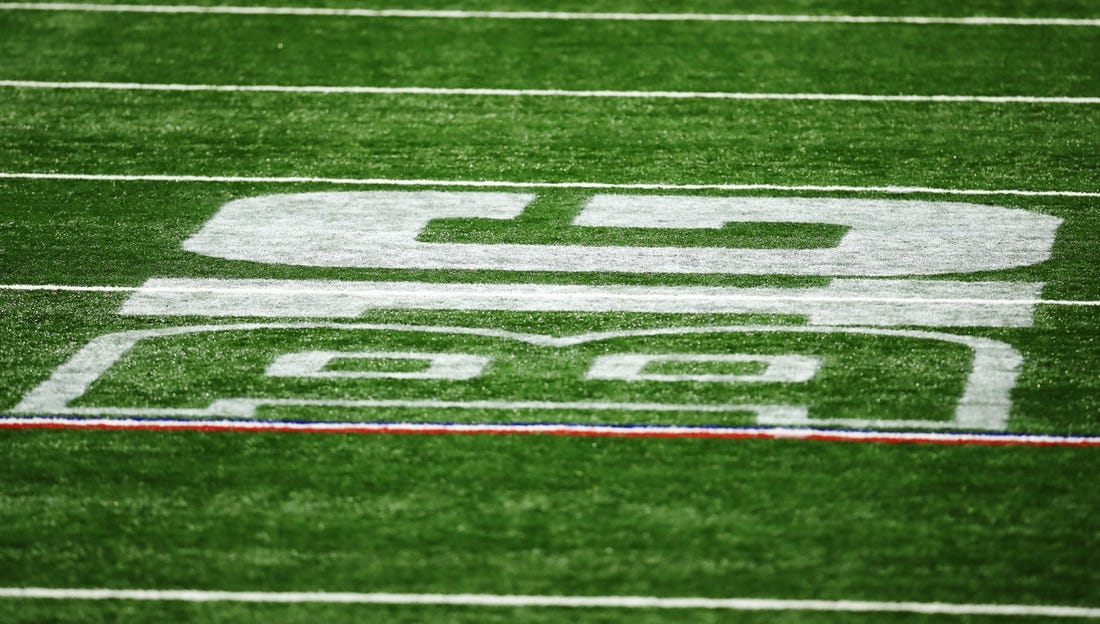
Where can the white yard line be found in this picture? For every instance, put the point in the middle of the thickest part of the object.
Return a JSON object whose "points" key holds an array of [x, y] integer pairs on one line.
{"points": [[496, 600], [552, 15], [894, 190], [666, 95], [277, 290], [241, 425]]}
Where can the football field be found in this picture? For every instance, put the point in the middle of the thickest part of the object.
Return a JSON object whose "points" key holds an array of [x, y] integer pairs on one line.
{"points": [[461, 311]]}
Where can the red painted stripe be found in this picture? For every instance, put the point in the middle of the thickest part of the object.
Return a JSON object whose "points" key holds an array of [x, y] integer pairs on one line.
{"points": [[948, 439]]}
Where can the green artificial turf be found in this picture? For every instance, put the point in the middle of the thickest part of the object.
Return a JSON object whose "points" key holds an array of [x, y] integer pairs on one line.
{"points": [[538, 514], [297, 50], [544, 515], [971, 146]]}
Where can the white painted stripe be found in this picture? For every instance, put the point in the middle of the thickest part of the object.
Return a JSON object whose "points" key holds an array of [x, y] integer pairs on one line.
{"points": [[843, 302], [573, 429], [246, 408], [496, 600], [367, 292], [670, 95], [637, 186], [553, 15]]}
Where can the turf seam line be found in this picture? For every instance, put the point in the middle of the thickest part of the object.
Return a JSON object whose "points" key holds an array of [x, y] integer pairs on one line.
{"points": [[554, 15], [368, 292], [556, 429], [447, 91], [637, 186]]}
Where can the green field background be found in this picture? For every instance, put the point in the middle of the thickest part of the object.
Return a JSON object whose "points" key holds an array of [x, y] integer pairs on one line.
{"points": [[533, 514]]}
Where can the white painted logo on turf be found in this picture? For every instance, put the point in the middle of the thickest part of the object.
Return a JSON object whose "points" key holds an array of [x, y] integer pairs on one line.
{"points": [[440, 365], [379, 229], [777, 368], [984, 404]]}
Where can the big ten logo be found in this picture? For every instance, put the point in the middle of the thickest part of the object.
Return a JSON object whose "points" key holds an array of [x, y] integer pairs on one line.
{"points": [[877, 273], [880, 242], [773, 375]]}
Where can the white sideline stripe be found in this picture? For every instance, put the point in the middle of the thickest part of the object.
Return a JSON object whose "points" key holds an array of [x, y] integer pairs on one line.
{"points": [[670, 95], [552, 15], [365, 292], [496, 600], [638, 186], [625, 431]]}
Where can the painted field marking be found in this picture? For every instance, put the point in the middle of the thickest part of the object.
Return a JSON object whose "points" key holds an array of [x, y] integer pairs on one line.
{"points": [[364, 290], [844, 301], [312, 364], [507, 600], [551, 15], [666, 95], [381, 229], [775, 368], [245, 409], [984, 405], [511, 600], [573, 429], [634, 186]]}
